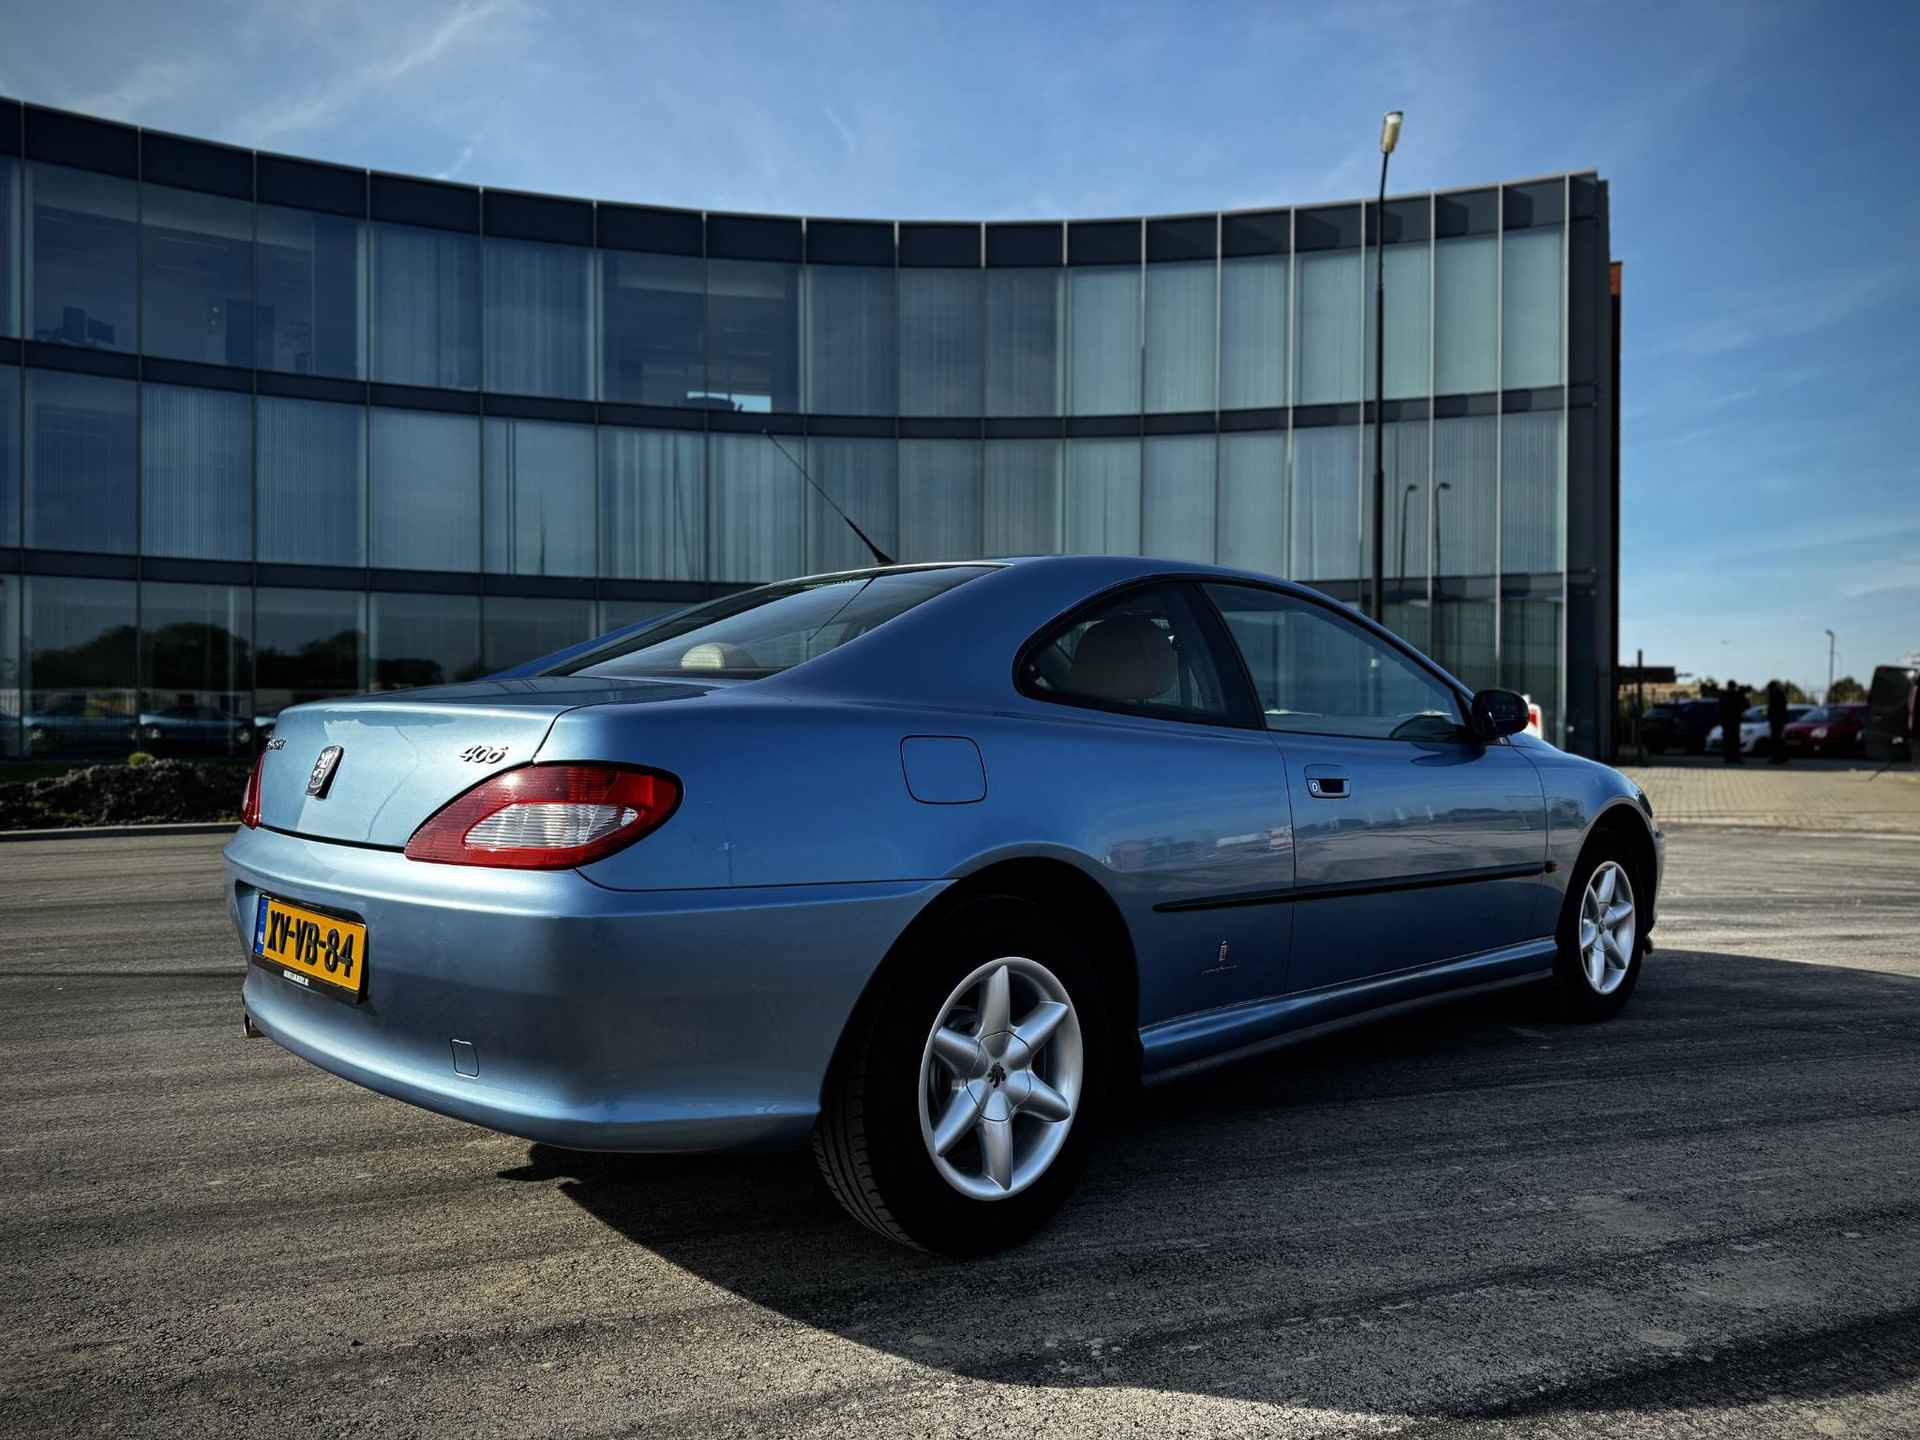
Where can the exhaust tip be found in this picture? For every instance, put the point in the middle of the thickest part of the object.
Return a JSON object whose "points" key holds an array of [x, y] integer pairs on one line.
{"points": [[248, 1029]]}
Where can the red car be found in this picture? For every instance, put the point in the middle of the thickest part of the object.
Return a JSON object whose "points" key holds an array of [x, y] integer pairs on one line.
{"points": [[1829, 730]]}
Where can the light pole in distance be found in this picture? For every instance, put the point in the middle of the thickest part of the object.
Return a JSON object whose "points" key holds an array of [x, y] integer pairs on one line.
{"points": [[1389, 137]]}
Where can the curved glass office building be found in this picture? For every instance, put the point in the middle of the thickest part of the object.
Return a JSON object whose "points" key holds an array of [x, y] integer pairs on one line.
{"points": [[272, 429]]}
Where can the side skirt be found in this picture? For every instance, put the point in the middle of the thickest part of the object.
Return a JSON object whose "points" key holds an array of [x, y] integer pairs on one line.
{"points": [[1191, 1043]]}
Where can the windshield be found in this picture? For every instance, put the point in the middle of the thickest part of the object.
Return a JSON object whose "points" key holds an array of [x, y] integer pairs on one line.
{"points": [[762, 632]]}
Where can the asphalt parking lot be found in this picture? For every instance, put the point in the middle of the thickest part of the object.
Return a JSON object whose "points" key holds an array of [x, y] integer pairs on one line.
{"points": [[1702, 1219]]}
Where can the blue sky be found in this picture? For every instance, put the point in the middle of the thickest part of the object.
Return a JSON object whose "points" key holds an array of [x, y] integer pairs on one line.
{"points": [[1762, 180]]}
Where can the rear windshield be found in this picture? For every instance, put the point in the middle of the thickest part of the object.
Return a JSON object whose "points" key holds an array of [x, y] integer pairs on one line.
{"points": [[762, 632]]}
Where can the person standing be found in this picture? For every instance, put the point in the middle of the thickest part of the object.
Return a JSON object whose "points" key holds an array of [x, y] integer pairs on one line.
{"points": [[1777, 721], [1733, 705]]}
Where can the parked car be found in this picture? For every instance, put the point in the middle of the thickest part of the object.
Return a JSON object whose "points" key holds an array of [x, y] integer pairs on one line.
{"points": [[928, 863], [190, 727], [1891, 717], [1679, 725], [1756, 732], [73, 721], [1833, 730]]}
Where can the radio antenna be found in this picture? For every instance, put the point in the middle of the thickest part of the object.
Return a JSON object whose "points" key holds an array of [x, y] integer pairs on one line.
{"points": [[880, 556]]}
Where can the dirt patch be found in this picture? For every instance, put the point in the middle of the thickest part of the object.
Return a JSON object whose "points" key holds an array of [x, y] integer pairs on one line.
{"points": [[166, 791]]}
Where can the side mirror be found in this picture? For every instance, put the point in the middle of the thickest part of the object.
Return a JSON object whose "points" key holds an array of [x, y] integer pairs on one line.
{"points": [[1497, 713]]}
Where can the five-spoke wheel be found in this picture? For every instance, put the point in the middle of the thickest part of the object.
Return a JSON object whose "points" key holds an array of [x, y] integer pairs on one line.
{"points": [[1607, 927], [999, 1078], [958, 1110]]}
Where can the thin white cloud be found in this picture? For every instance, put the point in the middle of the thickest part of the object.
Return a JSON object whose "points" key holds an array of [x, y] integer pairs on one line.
{"points": [[463, 23], [151, 85], [1788, 312]]}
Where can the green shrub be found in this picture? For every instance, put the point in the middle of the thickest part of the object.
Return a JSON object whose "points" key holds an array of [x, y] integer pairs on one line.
{"points": [[139, 758]]}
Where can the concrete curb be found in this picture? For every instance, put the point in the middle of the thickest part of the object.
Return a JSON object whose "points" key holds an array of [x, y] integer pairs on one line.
{"points": [[120, 832]]}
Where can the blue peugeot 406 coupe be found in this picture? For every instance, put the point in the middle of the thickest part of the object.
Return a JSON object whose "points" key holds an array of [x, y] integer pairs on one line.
{"points": [[927, 862]]}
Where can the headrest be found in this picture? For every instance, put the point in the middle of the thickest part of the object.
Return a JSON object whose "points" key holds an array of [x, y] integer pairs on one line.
{"points": [[1125, 658]]}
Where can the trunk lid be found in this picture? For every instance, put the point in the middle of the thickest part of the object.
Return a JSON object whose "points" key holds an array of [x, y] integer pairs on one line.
{"points": [[406, 754]]}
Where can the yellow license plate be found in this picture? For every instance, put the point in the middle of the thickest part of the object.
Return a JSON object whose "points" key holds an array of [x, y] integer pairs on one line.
{"points": [[311, 947]]}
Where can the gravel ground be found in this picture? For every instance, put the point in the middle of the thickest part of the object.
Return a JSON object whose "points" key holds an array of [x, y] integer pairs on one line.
{"points": [[1700, 1219]]}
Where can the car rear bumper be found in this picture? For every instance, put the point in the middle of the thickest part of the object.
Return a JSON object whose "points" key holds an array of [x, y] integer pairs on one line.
{"points": [[598, 1019]]}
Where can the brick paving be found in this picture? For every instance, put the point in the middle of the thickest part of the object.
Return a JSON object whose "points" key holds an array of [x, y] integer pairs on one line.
{"points": [[1812, 795]]}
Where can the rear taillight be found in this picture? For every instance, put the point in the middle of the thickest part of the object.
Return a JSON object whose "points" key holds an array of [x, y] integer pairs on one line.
{"points": [[250, 802], [547, 817]]}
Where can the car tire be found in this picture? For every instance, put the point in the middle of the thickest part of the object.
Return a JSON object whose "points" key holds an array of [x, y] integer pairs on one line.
{"points": [[1591, 987], [894, 1078]]}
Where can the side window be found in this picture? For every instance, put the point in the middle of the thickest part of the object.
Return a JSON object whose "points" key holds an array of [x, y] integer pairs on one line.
{"points": [[1317, 673], [1144, 652]]}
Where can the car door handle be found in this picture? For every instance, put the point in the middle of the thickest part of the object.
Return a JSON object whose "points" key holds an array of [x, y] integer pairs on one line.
{"points": [[1325, 782]]}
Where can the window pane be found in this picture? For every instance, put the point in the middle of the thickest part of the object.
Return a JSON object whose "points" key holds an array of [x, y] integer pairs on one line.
{"points": [[1253, 333], [9, 260], [1408, 494], [759, 509], [1326, 504], [1531, 540], [1409, 343], [1143, 653], [82, 250], [1252, 528], [196, 475], [1103, 497], [1464, 347], [1177, 498], [1106, 340], [426, 491], [1530, 337], [939, 499], [196, 669], [753, 330], [196, 276], [940, 342], [1318, 674], [81, 666], [539, 498], [863, 478], [1463, 491], [310, 275], [9, 455], [310, 646], [655, 319], [852, 365], [518, 630], [423, 640], [1330, 328], [1180, 335], [10, 737], [1022, 497], [313, 482], [539, 337], [1026, 325], [80, 462], [426, 307], [1530, 630], [653, 504]]}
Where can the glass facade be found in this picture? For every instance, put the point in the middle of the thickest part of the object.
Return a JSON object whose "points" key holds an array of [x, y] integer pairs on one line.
{"points": [[413, 440]]}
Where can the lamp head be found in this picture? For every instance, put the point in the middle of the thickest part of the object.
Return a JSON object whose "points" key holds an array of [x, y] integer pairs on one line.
{"points": [[1390, 132]]}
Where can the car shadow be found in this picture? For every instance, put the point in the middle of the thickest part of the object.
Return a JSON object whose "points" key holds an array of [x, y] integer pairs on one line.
{"points": [[1472, 1213]]}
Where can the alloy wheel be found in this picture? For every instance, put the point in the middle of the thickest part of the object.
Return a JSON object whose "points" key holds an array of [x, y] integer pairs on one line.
{"points": [[1607, 927], [1000, 1078]]}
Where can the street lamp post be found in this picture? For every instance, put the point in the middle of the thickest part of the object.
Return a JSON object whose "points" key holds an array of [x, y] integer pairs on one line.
{"points": [[1389, 137], [1401, 572], [1830, 643]]}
